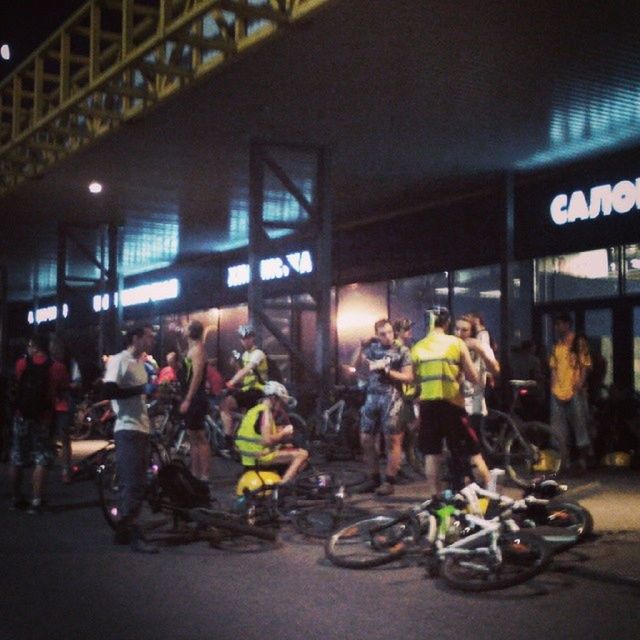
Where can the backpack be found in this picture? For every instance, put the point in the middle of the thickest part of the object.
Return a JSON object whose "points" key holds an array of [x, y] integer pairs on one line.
{"points": [[182, 488], [33, 393]]}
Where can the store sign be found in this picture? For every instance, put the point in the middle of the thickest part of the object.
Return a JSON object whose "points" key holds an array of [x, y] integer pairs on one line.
{"points": [[271, 268], [604, 199]]}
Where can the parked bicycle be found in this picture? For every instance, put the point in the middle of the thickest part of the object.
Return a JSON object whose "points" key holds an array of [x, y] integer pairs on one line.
{"points": [[92, 418], [335, 434], [526, 449]]}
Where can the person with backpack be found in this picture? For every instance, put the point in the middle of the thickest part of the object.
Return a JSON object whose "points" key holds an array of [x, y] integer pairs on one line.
{"points": [[34, 411]]}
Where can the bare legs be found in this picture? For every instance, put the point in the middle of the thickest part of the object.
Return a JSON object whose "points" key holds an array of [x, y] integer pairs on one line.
{"points": [[200, 454]]}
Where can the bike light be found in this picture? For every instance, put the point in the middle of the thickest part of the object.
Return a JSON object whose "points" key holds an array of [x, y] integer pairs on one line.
{"points": [[523, 392]]}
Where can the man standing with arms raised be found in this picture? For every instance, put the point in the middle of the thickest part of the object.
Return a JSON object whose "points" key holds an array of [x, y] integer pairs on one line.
{"points": [[124, 383]]}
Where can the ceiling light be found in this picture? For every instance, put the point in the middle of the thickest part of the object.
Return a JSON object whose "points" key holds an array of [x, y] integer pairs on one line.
{"points": [[95, 187], [5, 52]]}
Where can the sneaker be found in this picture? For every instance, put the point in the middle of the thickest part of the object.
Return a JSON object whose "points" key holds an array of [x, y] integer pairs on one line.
{"points": [[18, 504], [36, 507], [385, 489]]}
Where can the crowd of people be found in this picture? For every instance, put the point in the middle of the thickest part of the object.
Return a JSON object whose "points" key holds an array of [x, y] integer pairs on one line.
{"points": [[438, 385]]}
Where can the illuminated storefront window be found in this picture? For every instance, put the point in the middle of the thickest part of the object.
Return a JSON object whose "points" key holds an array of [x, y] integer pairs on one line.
{"points": [[409, 297], [47, 314], [359, 306], [589, 274], [632, 268]]}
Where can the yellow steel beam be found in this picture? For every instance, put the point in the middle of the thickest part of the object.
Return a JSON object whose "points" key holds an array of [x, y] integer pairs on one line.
{"points": [[74, 89]]}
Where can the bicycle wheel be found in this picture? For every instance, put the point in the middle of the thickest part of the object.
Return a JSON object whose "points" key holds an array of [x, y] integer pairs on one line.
{"points": [[522, 555], [321, 521], [533, 452], [108, 488], [370, 542], [571, 517]]}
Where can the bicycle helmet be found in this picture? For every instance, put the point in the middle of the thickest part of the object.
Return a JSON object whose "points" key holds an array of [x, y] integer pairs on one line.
{"points": [[253, 480], [273, 388], [245, 330]]}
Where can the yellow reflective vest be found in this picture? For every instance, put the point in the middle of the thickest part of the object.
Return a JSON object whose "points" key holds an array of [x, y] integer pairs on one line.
{"points": [[254, 379], [437, 359], [249, 442]]}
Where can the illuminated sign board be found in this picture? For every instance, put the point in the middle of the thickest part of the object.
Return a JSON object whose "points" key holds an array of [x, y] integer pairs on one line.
{"points": [[47, 314], [271, 268], [153, 292], [602, 199]]}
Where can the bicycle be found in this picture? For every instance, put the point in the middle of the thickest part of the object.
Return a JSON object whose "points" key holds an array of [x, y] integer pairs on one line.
{"points": [[92, 417], [336, 434], [170, 489], [470, 552], [525, 449], [315, 504]]}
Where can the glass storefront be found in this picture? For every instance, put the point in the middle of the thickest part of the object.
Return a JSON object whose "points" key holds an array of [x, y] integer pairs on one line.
{"points": [[409, 297], [588, 274]]}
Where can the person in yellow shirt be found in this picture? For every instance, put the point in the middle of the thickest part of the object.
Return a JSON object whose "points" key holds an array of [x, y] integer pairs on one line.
{"points": [[570, 362]]}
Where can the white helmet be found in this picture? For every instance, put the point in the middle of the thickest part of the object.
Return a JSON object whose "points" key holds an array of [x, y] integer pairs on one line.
{"points": [[245, 330], [273, 388]]}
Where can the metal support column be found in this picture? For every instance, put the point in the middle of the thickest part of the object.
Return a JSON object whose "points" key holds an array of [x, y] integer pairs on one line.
{"points": [[313, 227], [113, 342], [4, 351], [506, 269], [61, 277], [323, 281]]}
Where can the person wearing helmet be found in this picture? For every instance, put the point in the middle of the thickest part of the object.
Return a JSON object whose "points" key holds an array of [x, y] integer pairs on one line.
{"points": [[245, 386], [261, 442]]}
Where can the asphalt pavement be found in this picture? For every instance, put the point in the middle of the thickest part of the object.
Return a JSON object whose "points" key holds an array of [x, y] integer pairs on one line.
{"points": [[62, 577]]}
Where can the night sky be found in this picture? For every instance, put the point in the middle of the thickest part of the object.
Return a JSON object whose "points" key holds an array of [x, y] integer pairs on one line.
{"points": [[25, 24]]}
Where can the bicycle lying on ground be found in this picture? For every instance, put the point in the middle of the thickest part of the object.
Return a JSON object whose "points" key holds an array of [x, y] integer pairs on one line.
{"points": [[470, 551], [526, 449], [315, 503]]}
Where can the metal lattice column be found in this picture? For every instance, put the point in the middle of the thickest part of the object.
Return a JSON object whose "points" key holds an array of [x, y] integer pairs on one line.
{"points": [[314, 228]]}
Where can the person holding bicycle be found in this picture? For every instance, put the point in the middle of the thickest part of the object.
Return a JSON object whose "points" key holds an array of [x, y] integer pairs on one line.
{"points": [[261, 442], [125, 380], [440, 360], [387, 366]]}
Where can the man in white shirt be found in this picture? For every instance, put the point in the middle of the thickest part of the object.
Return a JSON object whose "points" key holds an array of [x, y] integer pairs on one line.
{"points": [[124, 383]]}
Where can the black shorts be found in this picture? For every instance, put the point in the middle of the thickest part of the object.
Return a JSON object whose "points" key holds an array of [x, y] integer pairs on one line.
{"points": [[194, 418], [247, 399], [440, 420]]}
